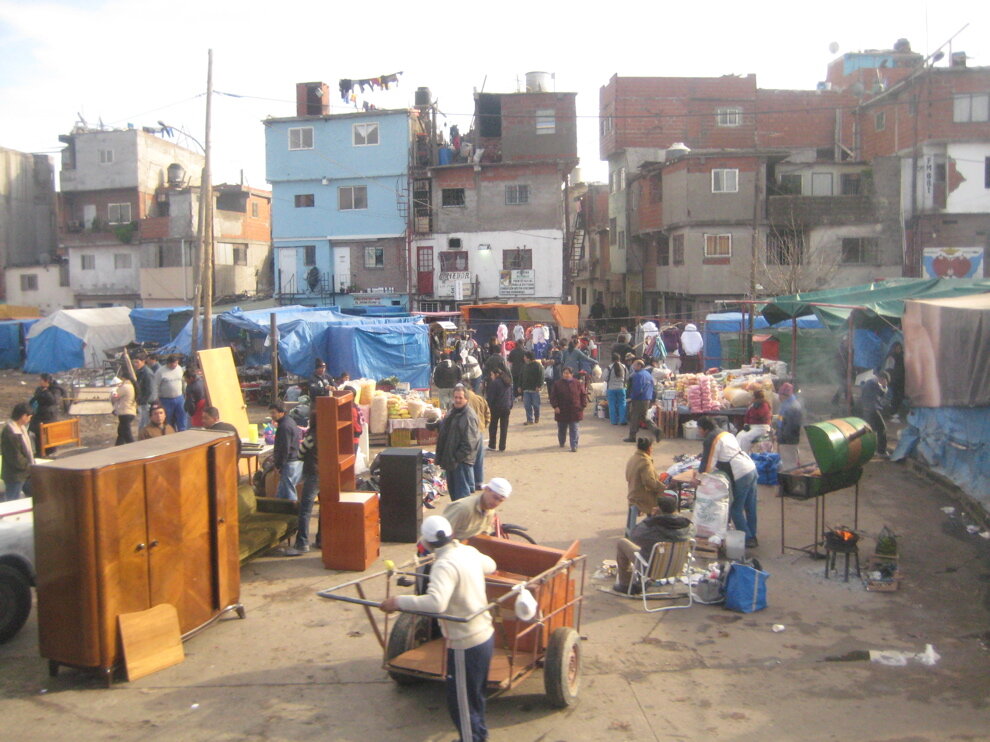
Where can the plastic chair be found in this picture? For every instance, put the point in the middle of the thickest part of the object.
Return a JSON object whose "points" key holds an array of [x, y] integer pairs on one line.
{"points": [[664, 574]]}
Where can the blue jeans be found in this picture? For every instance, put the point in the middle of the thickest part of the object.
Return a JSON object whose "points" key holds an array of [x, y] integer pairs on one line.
{"points": [[13, 491], [743, 507], [478, 471], [460, 481], [310, 489], [467, 671], [291, 473], [531, 401], [563, 429], [617, 406], [175, 413]]}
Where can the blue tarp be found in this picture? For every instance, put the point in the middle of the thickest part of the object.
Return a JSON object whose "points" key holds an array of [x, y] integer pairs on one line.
{"points": [[12, 334], [953, 441], [376, 351], [151, 323], [54, 350], [733, 321]]}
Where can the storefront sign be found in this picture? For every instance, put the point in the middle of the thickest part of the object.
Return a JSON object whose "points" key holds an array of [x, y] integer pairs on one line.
{"points": [[448, 282], [517, 283], [953, 262]]}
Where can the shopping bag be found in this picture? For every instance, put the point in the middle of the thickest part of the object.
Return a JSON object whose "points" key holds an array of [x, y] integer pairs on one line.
{"points": [[745, 588]]}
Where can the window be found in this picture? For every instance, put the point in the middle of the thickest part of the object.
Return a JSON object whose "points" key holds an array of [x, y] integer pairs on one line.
{"points": [[725, 180], [546, 121], [453, 261], [678, 256], [986, 172], [969, 108], [617, 180], [880, 121], [612, 231], [240, 255], [516, 194], [656, 188], [106, 156], [121, 261], [622, 239], [301, 137], [254, 209], [606, 125], [352, 197], [309, 255], [29, 282], [790, 184], [517, 260], [365, 135], [118, 213], [88, 262], [305, 200], [728, 116], [859, 250], [821, 184], [374, 257], [785, 247], [850, 184], [63, 273], [663, 253], [452, 197], [718, 245]]}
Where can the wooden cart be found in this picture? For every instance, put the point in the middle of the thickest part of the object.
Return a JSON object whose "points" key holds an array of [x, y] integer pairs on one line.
{"points": [[415, 651]]}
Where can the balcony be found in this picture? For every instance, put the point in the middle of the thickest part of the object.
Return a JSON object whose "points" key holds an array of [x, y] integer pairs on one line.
{"points": [[813, 211]]}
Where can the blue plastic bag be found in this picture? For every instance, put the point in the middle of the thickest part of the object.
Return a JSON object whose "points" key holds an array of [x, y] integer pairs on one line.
{"points": [[766, 467], [745, 588]]}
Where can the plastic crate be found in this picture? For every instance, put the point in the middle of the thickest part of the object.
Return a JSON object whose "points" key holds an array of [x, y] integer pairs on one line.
{"points": [[402, 437], [426, 437]]}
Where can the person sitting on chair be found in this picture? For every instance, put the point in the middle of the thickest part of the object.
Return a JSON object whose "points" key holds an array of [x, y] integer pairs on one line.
{"points": [[662, 525]]}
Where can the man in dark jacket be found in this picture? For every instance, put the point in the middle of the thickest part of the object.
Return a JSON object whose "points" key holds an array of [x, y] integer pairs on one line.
{"points": [[531, 382], [211, 421], [517, 362], [47, 401], [662, 525], [15, 447], [499, 396], [285, 457], [143, 388], [445, 378], [457, 445], [872, 400]]}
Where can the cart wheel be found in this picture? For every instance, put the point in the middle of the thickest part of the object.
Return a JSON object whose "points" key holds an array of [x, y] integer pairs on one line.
{"points": [[408, 632], [15, 601], [562, 667], [515, 533]]}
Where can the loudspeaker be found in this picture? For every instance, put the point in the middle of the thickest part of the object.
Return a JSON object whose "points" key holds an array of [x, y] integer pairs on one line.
{"points": [[401, 488]]}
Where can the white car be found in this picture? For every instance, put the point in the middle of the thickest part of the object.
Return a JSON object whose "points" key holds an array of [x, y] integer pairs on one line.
{"points": [[16, 564]]}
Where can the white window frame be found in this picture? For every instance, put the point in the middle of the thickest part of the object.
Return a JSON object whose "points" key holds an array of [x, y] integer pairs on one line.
{"points": [[300, 137], [29, 282], [728, 116], [122, 261], [719, 180], [377, 258], [87, 262], [122, 210], [546, 121], [715, 239], [365, 131], [353, 191], [516, 194], [106, 156], [963, 105]]}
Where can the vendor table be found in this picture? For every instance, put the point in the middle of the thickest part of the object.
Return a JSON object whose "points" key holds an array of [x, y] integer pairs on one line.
{"points": [[252, 456], [798, 484], [735, 415]]}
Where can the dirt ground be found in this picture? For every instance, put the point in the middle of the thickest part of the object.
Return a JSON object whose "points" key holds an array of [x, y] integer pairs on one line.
{"points": [[300, 667]]}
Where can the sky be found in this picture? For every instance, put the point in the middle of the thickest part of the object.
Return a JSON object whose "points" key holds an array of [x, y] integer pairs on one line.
{"points": [[140, 62]]}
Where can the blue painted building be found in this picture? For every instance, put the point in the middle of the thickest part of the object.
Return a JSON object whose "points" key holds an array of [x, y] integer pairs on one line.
{"points": [[339, 192]]}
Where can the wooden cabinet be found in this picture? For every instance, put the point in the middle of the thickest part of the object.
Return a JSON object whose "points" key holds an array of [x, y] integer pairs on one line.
{"points": [[349, 520], [127, 528]]}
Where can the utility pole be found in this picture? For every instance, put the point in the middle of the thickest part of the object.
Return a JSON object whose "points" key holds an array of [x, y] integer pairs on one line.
{"points": [[208, 226]]}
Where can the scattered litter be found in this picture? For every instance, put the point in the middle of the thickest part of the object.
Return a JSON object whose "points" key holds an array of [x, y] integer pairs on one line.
{"points": [[608, 569], [355, 634], [895, 658], [985, 534], [972, 529], [194, 706], [949, 510], [777, 628], [43, 690]]}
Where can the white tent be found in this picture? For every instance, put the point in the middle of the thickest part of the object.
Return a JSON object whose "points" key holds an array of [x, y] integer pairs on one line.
{"points": [[76, 338]]}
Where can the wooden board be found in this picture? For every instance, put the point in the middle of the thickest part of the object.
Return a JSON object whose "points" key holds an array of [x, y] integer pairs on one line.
{"points": [[150, 640], [429, 659], [222, 389], [91, 407]]}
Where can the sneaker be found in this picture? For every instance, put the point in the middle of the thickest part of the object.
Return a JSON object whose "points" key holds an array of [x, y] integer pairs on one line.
{"points": [[573, 449], [527, 423], [295, 551], [752, 543], [492, 448], [628, 440]]}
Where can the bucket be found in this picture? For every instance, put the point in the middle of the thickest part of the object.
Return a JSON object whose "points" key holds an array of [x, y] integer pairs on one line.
{"points": [[735, 545]]}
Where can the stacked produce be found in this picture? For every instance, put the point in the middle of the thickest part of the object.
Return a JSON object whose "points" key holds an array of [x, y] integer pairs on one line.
{"points": [[699, 392]]}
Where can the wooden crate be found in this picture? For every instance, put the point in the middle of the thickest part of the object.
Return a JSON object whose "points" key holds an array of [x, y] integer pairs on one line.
{"points": [[402, 437], [426, 437]]}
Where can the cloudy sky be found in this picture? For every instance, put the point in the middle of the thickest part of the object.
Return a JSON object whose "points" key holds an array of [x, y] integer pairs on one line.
{"points": [[137, 61]]}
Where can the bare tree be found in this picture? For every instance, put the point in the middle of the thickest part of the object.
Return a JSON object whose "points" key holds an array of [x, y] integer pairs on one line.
{"points": [[791, 261]]}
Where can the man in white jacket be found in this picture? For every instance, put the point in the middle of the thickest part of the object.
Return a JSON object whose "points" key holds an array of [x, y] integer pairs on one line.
{"points": [[457, 588]]}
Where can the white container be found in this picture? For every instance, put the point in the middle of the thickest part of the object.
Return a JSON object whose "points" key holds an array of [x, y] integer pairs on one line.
{"points": [[735, 545], [691, 431]]}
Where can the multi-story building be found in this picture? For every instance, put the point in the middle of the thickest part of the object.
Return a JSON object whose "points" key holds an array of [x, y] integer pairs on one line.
{"points": [[590, 263], [129, 223], [496, 203], [339, 202], [32, 272]]}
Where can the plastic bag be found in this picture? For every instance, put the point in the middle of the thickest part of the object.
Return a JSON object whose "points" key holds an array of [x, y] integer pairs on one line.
{"points": [[746, 588], [711, 517]]}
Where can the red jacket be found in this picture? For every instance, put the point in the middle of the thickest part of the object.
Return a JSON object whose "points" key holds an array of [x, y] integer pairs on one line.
{"points": [[568, 398], [758, 414]]}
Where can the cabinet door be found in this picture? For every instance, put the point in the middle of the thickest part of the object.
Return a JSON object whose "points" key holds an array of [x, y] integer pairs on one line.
{"points": [[179, 549], [226, 544]]}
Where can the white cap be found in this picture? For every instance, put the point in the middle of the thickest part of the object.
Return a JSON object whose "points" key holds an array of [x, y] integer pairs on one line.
{"points": [[500, 486], [436, 528]]}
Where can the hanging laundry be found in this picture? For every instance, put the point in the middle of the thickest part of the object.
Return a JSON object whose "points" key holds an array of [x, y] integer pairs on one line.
{"points": [[345, 89]]}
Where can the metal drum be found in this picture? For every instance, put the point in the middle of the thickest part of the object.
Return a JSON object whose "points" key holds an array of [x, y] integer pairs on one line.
{"points": [[841, 444]]}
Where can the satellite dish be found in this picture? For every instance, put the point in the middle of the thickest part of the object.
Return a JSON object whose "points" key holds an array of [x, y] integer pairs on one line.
{"points": [[833, 47]]}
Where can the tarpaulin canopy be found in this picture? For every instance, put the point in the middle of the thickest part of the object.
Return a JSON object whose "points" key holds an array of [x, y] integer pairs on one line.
{"points": [[12, 311], [77, 338], [377, 351], [884, 299], [12, 334], [151, 324], [727, 351], [484, 318]]}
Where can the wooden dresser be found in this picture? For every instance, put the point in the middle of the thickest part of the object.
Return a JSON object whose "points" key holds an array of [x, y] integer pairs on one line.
{"points": [[127, 528]]}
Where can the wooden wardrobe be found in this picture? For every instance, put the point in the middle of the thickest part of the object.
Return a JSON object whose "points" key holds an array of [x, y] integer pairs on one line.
{"points": [[127, 528]]}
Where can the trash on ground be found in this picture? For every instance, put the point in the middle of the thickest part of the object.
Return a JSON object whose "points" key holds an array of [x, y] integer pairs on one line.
{"points": [[896, 658]]}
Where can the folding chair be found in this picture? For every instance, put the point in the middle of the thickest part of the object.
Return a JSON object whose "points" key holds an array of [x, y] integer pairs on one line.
{"points": [[664, 575]]}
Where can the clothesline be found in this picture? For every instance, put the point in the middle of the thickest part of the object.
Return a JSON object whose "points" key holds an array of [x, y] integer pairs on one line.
{"points": [[347, 85]]}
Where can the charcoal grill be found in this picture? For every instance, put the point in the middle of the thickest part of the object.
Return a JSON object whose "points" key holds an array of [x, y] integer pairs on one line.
{"points": [[841, 540]]}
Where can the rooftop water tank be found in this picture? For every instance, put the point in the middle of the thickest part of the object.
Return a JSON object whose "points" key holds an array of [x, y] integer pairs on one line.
{"points": [[538, 82], [176, 175], [423, 96]]}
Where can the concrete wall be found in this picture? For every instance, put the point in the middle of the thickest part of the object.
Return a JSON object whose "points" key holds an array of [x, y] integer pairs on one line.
{"points": [[27, 208], [520, 139], [688, 196], [50, 295], [331, 257], [325, 219], [701, 277], [105, 279]]}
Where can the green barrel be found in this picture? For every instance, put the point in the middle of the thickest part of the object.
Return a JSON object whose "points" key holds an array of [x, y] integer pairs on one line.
{"points": [[840, 444]]}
